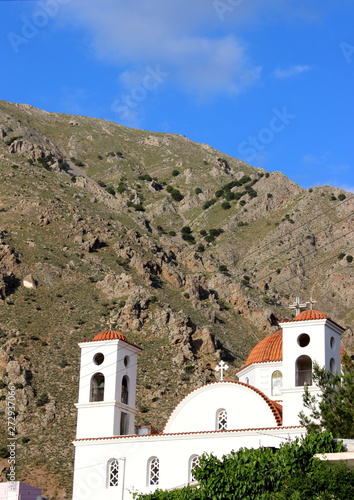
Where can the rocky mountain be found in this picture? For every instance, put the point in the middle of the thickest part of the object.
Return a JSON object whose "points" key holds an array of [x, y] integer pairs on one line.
{"points": [[193, 254]]}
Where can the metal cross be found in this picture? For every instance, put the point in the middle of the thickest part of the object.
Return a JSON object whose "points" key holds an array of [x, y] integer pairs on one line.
{"points": [[220, 368], [311, 302], [298, 306], [110, 323]]}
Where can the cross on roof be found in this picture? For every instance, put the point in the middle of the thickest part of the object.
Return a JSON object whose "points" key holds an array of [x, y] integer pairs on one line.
{"points": [[220, 368], [298, 306], [110, 323], [311, 302]]}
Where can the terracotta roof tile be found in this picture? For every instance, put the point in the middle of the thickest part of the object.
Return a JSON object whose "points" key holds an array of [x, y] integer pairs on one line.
{"points": [[308, 315], [312, 315], [110, 335], [268, 349], [146, 436]]}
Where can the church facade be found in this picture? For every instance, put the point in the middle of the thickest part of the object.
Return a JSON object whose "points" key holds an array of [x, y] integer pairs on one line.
{"points": [[113, 460]]}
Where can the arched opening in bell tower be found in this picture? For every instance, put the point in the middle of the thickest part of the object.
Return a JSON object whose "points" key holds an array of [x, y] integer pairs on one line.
{"points": [[303, 371], [97, 387]]}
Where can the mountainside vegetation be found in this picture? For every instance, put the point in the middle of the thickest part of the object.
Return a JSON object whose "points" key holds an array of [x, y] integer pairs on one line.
{"points": [[193, 254]]}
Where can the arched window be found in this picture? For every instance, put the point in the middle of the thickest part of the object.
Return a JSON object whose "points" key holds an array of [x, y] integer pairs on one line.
{"points": [[277, 383], [97, 387], [193, 463], [303, 371], [221, 420], [153, 471], [113, 472], [332, 365], [125, 392]]}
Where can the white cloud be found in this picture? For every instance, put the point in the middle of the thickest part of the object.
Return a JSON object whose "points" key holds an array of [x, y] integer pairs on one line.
{"points": [[202, 54], [179, 36], [289, 72]]}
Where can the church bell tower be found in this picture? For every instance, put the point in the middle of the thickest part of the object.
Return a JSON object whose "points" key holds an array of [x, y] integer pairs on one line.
{"points": [[107, 387], [310, 337]]}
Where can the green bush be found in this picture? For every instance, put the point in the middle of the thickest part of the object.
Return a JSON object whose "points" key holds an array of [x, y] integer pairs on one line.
{"points": [[188, 237], [145, 177], [186, 230], [4, 452], [341, 197], [198, 191], [349, 258], [223, 269], [177, 195], [215, 232], [287, 473], [110, 190], [43, 399], [209, 203], [225, 205], [175, 173]]}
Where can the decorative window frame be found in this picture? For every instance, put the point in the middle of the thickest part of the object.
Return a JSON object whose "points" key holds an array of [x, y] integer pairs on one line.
{"points": [[153, 471], [116, 476], [193, 462], [221, 420]]}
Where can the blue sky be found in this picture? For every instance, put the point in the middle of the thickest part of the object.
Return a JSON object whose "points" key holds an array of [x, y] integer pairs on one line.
{"points": [[268, 82]]}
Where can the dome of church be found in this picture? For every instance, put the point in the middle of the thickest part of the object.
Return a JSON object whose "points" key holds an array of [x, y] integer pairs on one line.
{"points": [[110, 335], [268, 349], [309, 315]]}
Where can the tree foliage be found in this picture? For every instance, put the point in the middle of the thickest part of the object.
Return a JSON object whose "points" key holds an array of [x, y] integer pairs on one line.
{"points": [[288, 473], [334, 410]]}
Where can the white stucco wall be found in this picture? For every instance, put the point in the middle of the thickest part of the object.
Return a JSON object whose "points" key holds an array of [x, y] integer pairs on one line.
{"points": [[245, 408], [260, 375], [174, 453]]}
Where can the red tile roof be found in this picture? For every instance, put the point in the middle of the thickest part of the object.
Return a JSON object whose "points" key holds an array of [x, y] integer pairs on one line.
{"points": [[268, 349], [110, 335], [308, 315], [312, 315], [229, 431]]}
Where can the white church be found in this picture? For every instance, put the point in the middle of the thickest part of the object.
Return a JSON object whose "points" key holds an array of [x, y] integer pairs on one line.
{"points": [[114, 460]]}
